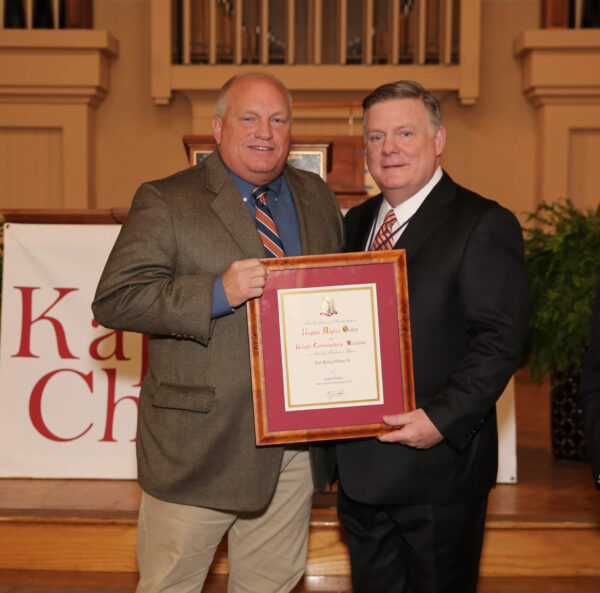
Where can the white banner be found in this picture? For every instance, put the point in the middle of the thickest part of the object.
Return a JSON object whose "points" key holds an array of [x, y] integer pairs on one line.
{"points": [[68, 388]]}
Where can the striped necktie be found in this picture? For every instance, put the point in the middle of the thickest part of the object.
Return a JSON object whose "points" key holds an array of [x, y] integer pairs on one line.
{"points": [[383, 239], [264, 223]]}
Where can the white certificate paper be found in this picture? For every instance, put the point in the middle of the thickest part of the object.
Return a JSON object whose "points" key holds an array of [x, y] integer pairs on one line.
{"points": [[330, 346]]}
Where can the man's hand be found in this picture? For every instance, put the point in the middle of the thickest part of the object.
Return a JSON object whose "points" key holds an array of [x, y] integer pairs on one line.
{"points": [[244, 280], [415, 430]]}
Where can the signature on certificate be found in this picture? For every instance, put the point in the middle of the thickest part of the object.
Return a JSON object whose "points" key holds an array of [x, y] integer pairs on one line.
{"points": [[335, 393]]}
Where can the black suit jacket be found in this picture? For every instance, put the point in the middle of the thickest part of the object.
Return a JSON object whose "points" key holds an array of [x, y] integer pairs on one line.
{"points": [[589, 393], [468, 296]]}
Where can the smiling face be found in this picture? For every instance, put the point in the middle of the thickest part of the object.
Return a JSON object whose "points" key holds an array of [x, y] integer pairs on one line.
{"points": [[254, 132], [403, 150]]}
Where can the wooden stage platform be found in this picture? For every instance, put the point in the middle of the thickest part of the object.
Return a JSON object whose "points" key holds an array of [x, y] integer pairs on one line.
{"points": [[542, 534]]}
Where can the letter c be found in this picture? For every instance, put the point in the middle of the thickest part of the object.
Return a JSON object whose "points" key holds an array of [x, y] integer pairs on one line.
{"points": [[35, 404]]}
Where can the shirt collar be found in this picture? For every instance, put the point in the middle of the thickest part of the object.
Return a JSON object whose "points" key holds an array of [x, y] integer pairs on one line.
{"points": [[245, 188], [407, 208]]}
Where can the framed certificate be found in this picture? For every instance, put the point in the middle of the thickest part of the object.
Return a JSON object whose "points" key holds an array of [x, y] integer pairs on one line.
{"points": [[330, 347]]}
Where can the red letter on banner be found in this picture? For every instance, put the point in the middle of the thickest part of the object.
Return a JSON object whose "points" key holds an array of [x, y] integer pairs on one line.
{"points": [[112, 404], [27, 322], [118, 351], [35, 404]]}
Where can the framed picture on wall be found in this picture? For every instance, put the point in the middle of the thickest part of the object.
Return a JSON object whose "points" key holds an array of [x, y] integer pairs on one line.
{"points": [[199, 155], [306, 154], [312, 159]]}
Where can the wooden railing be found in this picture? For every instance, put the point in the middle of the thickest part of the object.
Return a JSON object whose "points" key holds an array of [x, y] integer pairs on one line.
{"points": [[572, 14], [315, 32], [316, 45], [46, 14]]}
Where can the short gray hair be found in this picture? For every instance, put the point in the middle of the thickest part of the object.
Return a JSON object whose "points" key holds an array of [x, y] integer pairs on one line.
{"points": [[406, 89], [223, 96]]}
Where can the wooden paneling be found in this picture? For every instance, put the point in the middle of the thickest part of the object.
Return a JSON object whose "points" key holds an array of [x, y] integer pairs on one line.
{"points": [[346, 173], [584, 172], [51, 83], [560, 78], [68, 544], [554, 13], [79, 14], [31, 167], [63, 216]]}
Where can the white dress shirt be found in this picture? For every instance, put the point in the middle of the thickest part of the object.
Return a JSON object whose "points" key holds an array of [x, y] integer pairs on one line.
{"points": [[404, 211]]}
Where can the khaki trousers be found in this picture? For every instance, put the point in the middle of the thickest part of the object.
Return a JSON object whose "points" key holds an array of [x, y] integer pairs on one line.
{"points": [[266, 550]]}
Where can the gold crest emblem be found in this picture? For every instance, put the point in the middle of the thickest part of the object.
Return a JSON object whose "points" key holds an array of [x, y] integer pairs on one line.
{"points": [[328, 307]]}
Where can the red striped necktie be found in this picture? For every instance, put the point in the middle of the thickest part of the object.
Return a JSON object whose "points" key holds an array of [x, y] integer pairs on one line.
{"points": [[383, 238], [265, 224]]}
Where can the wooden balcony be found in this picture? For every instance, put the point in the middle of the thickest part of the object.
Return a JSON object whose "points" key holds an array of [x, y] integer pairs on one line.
{"points": [[331, 52]]}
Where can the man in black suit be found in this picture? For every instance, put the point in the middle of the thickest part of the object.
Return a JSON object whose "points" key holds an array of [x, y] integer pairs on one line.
{"points": [[589, 393], [413, 501]]}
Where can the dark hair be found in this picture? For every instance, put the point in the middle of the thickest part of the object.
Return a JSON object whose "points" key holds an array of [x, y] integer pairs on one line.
{"points": [[406, 89]]}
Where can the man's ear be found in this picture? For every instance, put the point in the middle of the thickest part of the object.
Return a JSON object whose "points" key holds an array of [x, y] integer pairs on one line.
{"points": [[440, 140], [216, 125]]}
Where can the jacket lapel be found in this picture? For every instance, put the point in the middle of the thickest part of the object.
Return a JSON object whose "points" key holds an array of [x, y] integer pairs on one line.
{"points": [[230, 208], [434, 210], [359, 234]]}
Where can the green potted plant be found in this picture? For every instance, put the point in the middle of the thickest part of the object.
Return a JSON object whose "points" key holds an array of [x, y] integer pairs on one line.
{"points": [[562, 247]]}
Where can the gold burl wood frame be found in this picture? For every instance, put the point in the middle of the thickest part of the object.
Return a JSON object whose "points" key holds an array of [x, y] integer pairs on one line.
{"points": [[386, 270]]}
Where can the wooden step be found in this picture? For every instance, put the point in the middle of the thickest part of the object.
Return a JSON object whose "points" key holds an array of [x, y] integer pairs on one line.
{"points": [[539, 585], [545, 526], [541, 547], [514, 546], [86, 582]]}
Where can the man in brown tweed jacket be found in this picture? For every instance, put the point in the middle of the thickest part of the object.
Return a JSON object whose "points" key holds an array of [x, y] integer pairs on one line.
{"points": [[184, 264]]}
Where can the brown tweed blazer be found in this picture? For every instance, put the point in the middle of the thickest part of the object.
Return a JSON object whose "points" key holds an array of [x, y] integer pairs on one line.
{"points": [[195, 438]]}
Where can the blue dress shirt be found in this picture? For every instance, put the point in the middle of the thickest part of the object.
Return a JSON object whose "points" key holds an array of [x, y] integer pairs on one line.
{"points": [[283, 210]]}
